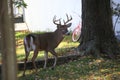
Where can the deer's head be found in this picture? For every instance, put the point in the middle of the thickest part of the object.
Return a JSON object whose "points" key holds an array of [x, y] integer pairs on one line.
{"points": [[62, 28]]}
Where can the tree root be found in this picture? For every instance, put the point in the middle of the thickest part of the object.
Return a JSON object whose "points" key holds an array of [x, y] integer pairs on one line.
{"points": [[89, 48], [96, 49]]}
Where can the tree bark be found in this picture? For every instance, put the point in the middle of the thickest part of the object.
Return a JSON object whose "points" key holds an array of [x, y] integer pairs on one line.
{"points": [[7, 41], [97, 30]]}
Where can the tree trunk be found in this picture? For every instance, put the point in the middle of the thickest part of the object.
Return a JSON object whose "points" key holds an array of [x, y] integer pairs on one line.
{"points": [[97, 30], [7, 41]]}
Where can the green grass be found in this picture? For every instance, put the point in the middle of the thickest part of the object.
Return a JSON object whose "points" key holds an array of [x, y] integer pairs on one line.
{"points": [[86, 68], [62, 49]]}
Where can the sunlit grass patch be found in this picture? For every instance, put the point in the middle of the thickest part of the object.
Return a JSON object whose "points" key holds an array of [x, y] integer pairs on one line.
{"points": [[86, 68], [68, 44], [62, 49]]}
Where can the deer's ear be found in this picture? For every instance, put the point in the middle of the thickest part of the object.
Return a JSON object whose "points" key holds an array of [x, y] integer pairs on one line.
{"points": [[68, 25]]}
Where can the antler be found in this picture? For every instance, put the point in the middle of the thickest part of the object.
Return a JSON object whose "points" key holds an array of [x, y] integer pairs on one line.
{"points": [[68, 19], [54, 21]]}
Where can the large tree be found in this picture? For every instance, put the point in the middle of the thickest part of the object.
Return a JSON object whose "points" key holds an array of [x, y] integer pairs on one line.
{"points": [[97, 29]]}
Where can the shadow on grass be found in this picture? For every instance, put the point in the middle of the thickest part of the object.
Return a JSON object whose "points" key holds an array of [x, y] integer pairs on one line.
{"points": [[85, 68]]}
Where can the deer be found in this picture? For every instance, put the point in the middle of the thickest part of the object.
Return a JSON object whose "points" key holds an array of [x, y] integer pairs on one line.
{"points": [[46, 42]]}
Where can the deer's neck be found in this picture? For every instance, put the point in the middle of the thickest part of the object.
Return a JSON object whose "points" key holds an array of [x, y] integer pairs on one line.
{"points": [[58, 36]]}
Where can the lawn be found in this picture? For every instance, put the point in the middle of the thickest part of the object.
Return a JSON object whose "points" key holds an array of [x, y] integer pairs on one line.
{"points": [[86, 68], [62, 49]]}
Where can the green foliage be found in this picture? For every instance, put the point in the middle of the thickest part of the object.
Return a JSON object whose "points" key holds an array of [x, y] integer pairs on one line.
{"points": [[20, 3], [86, 68], [20, 35], [116, 8]]}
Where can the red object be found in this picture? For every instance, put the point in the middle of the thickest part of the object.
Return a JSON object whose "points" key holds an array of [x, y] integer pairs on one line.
{"points": [[76, 33]]}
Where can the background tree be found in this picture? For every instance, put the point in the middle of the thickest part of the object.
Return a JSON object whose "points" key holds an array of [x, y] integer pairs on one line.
{"points": [[97, 30]]}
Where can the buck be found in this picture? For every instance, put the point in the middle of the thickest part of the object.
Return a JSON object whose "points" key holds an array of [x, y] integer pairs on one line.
{"points": [[46, 42]]}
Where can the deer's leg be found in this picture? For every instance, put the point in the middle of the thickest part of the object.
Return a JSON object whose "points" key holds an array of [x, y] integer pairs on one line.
{"points": [[55, 55], [46, 58], [33, 59], [26, 58]]}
